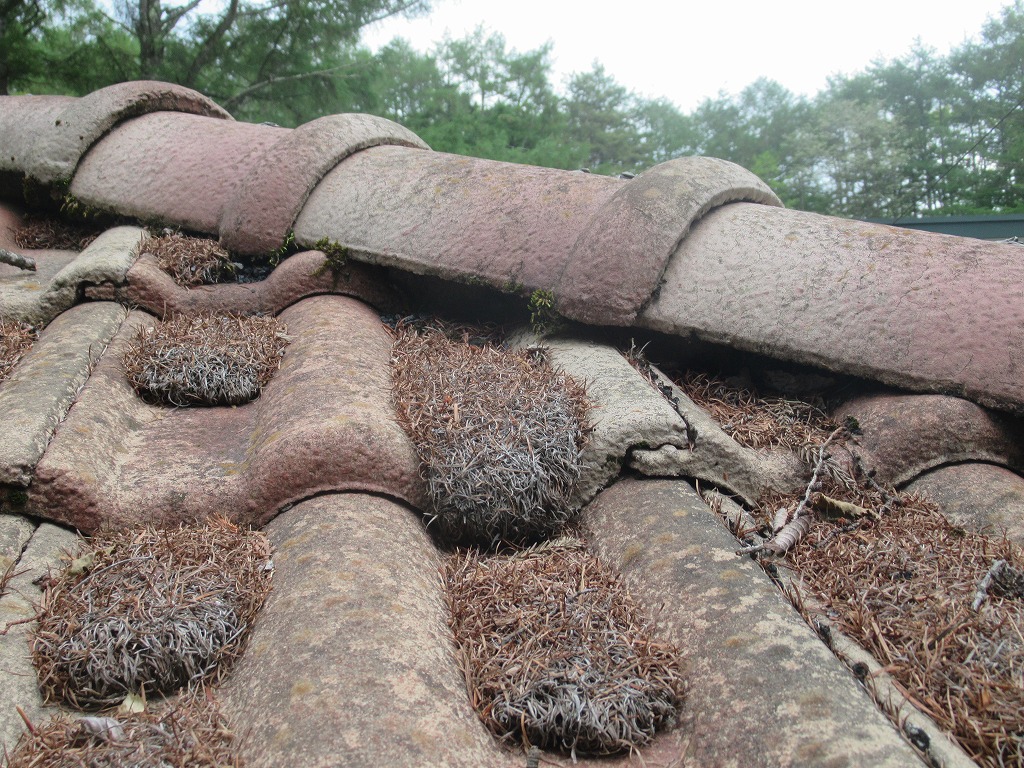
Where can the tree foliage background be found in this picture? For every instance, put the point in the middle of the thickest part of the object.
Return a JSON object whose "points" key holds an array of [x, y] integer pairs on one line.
{"points": [[921, 134]]}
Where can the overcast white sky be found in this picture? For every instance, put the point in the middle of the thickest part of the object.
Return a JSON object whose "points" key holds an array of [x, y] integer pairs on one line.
{"points": [[689, 51]]}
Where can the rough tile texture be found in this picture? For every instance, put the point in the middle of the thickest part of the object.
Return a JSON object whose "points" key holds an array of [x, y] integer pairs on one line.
{"points": [[259, 217], [765, 690], [141, 167], [905, 435], [715, 457], [44, 384], [350, 663], [914, 309], [17, 675], [38, 297], [324, 422], [641, 226], [15, 531], [60, 141], [305, 274], [978, 497], [23, 120]]}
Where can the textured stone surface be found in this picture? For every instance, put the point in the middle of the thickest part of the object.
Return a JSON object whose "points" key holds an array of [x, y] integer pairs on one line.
{"points": [[977, 497], [350, 662], [324, 422], [17, 675], [15, 531], [913, 309], [509, 226], [23, 119], [141, 167], [38, 297], [905, 435], [260, 215], [765, 691], [58, 146], [302, 275], [44, 384], [641, 226]]}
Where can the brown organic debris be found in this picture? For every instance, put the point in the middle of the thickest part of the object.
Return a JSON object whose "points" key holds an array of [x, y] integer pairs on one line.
{"points": [[556, 652], [904, 582], [150, 611], [206, 359], [499, 433], [190, 261], [191, 733], [756, 421], [16, 339], [46, 233]]}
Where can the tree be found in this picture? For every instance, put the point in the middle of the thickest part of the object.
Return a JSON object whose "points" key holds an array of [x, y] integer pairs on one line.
{"points": [[603, 118]]}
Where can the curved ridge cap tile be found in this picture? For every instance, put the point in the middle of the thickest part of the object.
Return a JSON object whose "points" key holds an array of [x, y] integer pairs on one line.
{"points": [[45, 383], [81, 123], [616, 265], [300, 276], [266, 204], [904, 435], [22, 120]]}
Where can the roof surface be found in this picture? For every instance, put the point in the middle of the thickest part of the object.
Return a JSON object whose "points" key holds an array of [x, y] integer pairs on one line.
{"points": [[351, 661]]}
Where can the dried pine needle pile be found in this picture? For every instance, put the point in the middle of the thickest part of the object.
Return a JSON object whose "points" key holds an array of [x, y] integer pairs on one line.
{"points": [[206, 359], [16, 339], [499, 433], [190, 734], [902, 581], [755, 421], [149, 609], [556, 653], [39, 232], [190, 261]]}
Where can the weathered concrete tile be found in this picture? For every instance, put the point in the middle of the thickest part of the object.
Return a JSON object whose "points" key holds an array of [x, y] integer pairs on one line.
{"points": [[324, 423], [38, 297], [15, 531], [44, 384], [927, 312], [142, 166], [904, 435], [349, 663], [22, 120], [765, 691], [977, 496], [17, 675], [259, 217], [305, 274]]}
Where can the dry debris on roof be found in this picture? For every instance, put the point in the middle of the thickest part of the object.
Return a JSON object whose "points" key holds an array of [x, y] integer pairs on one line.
{"points": [[191, 733], [757, 421], [556, 652], [190, 261], [499, 433], [903, 585], [206, 359], [147, 609], [42, 232], [16, 339]]}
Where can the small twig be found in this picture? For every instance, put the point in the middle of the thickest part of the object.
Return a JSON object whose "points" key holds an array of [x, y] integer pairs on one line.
{"points": [[17, 260], [985, 583]]}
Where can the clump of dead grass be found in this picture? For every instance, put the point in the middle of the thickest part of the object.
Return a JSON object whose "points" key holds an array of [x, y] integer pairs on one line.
{"points": [[556, 653], [901, 581], [192, 733], [756, 421], [205, 359], [149, 610], [16, 338], [499, 433], [41, 232], [190, 261]]}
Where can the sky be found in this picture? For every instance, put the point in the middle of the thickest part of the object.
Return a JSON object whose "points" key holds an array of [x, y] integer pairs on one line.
{"points": [[690, 51]]}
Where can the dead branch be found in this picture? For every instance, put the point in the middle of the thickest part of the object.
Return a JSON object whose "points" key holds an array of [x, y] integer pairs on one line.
{"points": [[17, 260]]}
